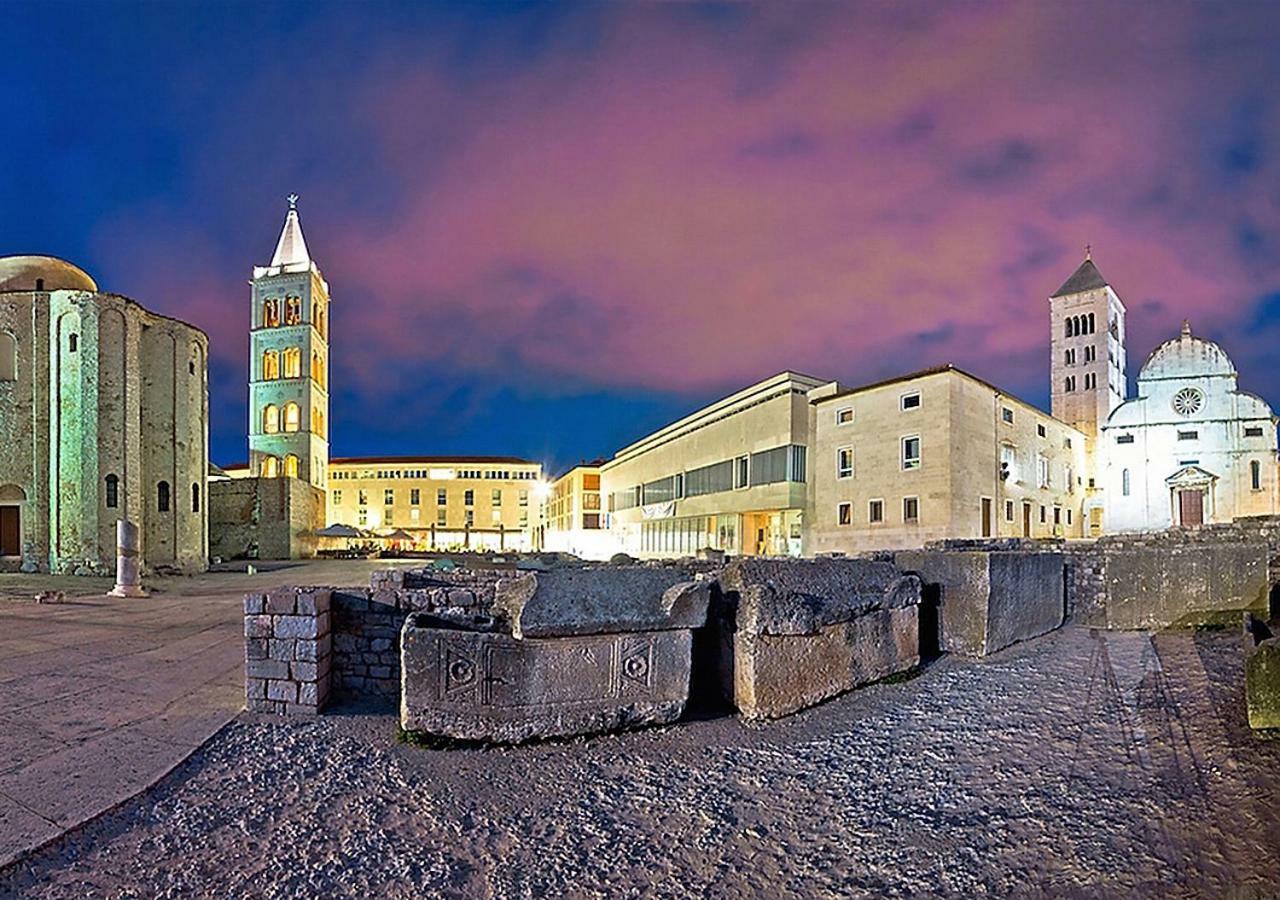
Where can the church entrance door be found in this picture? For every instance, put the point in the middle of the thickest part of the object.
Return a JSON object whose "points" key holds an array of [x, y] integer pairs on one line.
{"points": [[1191, 508], [10, 532]]}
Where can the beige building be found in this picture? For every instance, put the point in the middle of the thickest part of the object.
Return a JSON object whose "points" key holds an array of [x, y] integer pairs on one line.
{"points": [[938, 454], [573, 515], [730, 476], [103, 416], [442, 502]]}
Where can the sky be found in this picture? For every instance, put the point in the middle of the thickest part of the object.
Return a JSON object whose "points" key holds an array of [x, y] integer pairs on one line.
{"points": [[551, 228]]}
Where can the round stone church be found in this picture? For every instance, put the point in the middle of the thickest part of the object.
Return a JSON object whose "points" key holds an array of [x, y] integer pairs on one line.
{"points": [[104, 407], [1191, 448]]}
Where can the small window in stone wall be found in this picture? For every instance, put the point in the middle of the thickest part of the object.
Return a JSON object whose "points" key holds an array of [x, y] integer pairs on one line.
{"points": [[73, 343], [162, 496], [195, 498], [1251, 431], [1255, 475], [113, 491]]}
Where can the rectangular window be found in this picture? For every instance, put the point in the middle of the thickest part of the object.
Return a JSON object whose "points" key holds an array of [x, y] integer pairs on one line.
{"points": [[1008, 510], [441, 512], [1042, 471], [910, 401], [471, 517], [496, 496], [844, 514], [844, 416], [1253, 431], [875, 511], [1255, 475], [910, 509], [469, 498], [1068, 517], [1040, 429], [415, 496], [1009, 462], [1006, 415], [591, 520], [1066, 443], [442, 496], [1188, 435], [524, 499], [709, 479], [362, 497], [911, 452], [1069, 476], [770, 466], [1043, 515], [495, 516], [1124, 483], [741, 472], [337, 498], [388, 497], [1057, 515], [844, 462], [1124, 439]]}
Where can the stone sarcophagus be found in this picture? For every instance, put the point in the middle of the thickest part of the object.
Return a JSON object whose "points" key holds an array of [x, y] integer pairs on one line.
{"points": [[558, 658], [807, 630], [987, 600], [1261, 673]]}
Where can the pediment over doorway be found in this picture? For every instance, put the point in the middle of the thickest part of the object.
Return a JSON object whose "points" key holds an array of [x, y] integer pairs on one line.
{"points": [[1191, 477]]}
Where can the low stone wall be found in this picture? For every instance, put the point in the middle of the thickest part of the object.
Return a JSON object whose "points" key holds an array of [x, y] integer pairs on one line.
{"points": [[264, 518], [287, 650], [989, 600]]}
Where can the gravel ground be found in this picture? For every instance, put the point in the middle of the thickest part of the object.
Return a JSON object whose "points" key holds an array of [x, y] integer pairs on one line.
{"points": [[1075, 764]]}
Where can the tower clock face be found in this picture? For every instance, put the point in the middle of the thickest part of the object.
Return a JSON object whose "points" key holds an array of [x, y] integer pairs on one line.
{"points": [[1187, 402]]}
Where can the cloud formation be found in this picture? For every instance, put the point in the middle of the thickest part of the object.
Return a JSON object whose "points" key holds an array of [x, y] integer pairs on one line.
{"points": [[676, 199]]}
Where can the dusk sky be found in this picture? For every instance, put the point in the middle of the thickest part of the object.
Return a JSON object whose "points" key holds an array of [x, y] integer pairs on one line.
{"points": [[551, 228]]}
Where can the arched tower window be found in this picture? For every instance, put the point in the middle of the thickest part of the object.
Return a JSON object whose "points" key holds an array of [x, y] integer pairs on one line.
{"points": [[317, 421], [317, 368], [322, 324], [162, 496], [195, 498], [291, 466], [292, 362], [8, 357], [270, 365], [270, 467], [292, 310], [1092, 328], [270, 419], [270, 312], [113, 491], [292, 417]]}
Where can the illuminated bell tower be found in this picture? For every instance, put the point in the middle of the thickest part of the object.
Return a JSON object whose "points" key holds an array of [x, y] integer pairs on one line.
{"points": [[289, 362]]}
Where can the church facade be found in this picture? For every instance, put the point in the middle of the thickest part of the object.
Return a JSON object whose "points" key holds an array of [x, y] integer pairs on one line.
{"points": [[1191, 448], [104, 415]]}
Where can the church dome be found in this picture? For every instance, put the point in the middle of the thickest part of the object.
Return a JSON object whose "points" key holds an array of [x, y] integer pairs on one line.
{"points": [[1186, 356], [48, 273]]}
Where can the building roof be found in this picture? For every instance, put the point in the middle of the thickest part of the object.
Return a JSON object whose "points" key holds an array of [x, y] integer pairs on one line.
{"points": [[291, 250], [398, 460], [19, 273], [1085, 278]]}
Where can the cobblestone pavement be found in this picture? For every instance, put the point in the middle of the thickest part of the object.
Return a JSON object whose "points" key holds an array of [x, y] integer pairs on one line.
{"points": [[1078, 764], [102, 696]]}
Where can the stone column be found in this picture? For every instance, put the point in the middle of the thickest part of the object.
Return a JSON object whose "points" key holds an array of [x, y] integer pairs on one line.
{"points": [[128, 562]]}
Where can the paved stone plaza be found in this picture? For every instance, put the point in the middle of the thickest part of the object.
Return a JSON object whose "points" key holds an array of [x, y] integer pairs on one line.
{"points": [[1082, 763]]}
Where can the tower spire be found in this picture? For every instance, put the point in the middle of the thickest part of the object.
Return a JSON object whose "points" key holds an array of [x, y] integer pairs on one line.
{"points": [[291, 249]]}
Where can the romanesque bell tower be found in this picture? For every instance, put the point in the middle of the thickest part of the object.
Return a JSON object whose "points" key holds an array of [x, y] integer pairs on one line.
{"points": [[289, 362], [1087, 334]]}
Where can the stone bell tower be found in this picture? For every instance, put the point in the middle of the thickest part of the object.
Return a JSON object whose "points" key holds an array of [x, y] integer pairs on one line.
{"points": [[289, 362]]}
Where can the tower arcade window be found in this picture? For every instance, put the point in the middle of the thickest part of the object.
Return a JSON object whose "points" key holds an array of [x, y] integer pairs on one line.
{"points": [[291, 466], [270, 467], [8, 357], [270, 312], [292, 310], [317, 368], [292, 417], [162, 496], [317, 421], [270, 419], [292, 358], [270, 365]]}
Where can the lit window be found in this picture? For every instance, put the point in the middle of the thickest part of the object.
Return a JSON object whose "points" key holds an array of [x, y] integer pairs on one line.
{"points": [[270, 467], [910, 401], [496, 497], [270, 365], [910, 509], [291, 466], [844, 462], [844, 416], [911, 452], [844, 514], [442, 496], [270, 419], [292, 359], [292, 417]]}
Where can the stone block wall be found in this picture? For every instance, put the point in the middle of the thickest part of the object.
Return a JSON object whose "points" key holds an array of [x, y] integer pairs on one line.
{"points": [[288, 650], [264, 518]]}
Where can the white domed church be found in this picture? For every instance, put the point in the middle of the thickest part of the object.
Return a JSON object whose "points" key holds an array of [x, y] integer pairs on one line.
{"points": [[1191, 448]]}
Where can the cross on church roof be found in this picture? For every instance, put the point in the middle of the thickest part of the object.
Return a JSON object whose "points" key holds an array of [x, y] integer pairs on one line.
{"points": [[293, 201], [1088, 251]]}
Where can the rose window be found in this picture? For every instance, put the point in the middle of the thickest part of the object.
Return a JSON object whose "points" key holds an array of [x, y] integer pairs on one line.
{"points": [[1187, 402]]}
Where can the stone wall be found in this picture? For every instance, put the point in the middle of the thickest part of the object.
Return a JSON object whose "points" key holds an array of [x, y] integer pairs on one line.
{"points": [[288, 650], [264, 518]]}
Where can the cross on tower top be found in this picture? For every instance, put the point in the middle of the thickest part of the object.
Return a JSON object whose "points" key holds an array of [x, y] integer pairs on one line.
{"points": [[1088, 251], [293, 201]]}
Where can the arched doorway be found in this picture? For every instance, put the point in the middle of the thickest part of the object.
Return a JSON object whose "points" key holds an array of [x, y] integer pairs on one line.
{"points": [[12, 498]]}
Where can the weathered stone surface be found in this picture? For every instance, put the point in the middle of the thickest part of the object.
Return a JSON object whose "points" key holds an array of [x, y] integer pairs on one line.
{"points": [[778, 674], [989, 600], [489, 686], [610, 600], [807, 630], [1261, 673], [1181, 586], [793, 596]]}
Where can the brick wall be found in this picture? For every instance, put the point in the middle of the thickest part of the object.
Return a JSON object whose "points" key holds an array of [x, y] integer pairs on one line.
{"points": [[288, 650]]}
